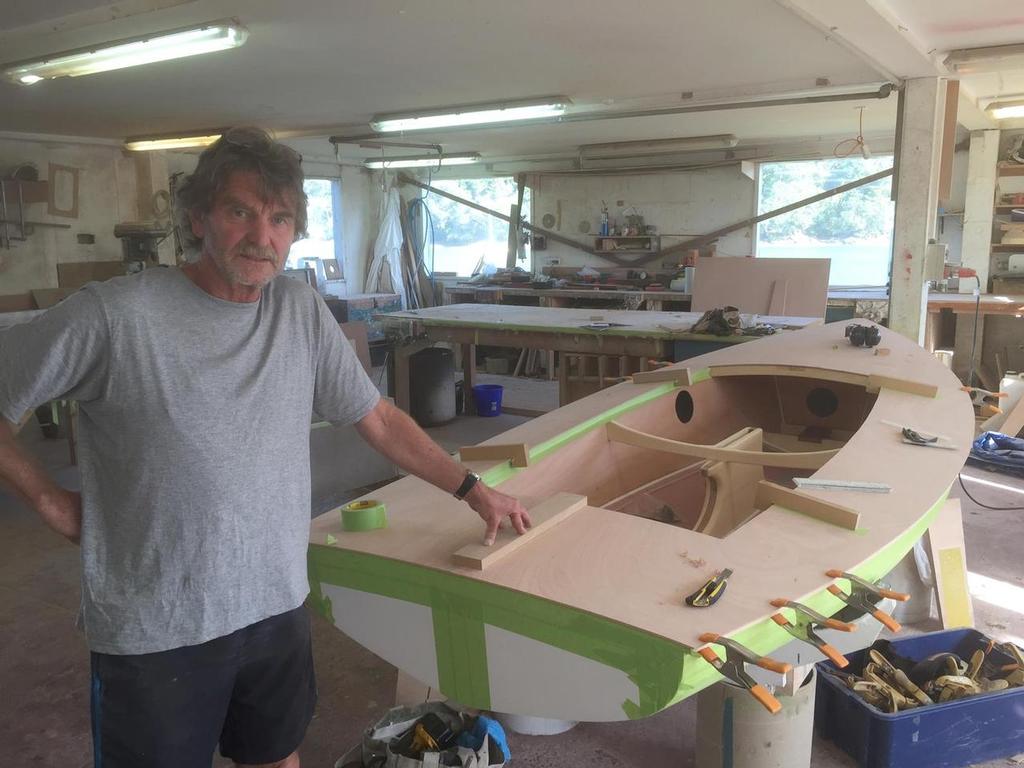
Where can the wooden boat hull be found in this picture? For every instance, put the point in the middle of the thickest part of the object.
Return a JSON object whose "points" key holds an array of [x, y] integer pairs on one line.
{"points": [[586, 621]]}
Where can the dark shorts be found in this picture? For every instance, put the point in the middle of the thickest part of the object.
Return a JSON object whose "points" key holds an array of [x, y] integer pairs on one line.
{"points": [[252, 692]]}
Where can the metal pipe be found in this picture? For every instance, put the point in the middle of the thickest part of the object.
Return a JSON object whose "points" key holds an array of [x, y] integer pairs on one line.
{"points": [[883, 92]]}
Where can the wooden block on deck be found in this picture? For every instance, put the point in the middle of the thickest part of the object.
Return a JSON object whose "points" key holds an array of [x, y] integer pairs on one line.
{"points": [[806, 504], [876, 382], [680, 376], [518, 454], [544, 516]]}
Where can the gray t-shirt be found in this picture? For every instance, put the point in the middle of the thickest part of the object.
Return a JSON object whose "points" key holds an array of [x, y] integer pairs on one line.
{"points": [[194, 418]]}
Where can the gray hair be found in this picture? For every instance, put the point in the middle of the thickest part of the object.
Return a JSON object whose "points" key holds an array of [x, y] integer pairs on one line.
{"points": [[246, 149]]}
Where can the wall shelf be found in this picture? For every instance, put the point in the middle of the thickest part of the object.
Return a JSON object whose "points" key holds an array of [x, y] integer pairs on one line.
{"points": [[626, 243]]}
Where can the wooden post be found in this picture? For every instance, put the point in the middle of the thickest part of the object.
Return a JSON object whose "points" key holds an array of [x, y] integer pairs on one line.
{"points": [[981, 193], [918, 139], [468, 376]]}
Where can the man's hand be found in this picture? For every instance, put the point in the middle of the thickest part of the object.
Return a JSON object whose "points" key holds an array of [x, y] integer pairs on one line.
{"points": [[62, 511], [493, 507]]}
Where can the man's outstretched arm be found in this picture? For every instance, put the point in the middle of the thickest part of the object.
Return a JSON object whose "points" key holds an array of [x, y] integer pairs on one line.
{"points": [[393, 433], [60, 509]]}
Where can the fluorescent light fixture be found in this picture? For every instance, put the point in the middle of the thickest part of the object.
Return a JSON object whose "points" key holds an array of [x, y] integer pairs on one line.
{"points": [[1002, 110], [658, 146], [475, 114], [992, 58], [141, 144], [105, 57], [425, 161]]}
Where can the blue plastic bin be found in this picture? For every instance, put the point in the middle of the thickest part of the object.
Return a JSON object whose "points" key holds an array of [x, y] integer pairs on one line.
{"points": [[951, 735], [488, 399]]}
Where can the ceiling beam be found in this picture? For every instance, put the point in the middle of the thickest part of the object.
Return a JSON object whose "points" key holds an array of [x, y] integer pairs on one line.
{"points": [[870, 30]]}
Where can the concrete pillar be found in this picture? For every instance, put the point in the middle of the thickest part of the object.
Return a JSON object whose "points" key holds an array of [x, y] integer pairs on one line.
{"points": [[981, 194], [151, 195], [919, 141]]}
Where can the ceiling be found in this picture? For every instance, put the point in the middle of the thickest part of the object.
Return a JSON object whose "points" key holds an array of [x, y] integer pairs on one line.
{"points": [[312, 68]]}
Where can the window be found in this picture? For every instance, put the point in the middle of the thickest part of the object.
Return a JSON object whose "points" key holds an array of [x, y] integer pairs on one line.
{"points": [[853, 229], [324, 223], [462, 236]]}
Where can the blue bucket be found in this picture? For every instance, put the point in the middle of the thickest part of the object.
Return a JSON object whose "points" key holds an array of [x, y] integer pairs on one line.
{"points": [[488, 399]]}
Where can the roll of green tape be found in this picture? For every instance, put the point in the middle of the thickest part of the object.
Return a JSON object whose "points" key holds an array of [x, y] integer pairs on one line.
{"points": [[364, 515]]}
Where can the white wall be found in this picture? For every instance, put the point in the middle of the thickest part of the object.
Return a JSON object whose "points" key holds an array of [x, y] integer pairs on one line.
{"points": [[106, 195], [681, 205], [358, 210]]}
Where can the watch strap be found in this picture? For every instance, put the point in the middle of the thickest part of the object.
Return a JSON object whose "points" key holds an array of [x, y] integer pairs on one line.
{"points": [[472, 478]]}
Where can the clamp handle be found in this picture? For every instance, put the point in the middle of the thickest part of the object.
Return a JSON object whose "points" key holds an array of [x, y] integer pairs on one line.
{"points": [[884, 618], [746, 655], [829, 651], [768, 701]]}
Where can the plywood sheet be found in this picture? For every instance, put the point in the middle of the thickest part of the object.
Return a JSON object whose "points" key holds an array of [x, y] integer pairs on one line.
{"points": [[75, 274], [789, 287]]}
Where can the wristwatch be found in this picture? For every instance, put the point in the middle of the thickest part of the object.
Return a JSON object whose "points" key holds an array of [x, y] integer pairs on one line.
{"points": [[472, 478]]}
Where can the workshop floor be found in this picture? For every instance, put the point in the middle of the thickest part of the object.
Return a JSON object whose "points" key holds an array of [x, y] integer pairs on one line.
{"points": [[44, 665]]}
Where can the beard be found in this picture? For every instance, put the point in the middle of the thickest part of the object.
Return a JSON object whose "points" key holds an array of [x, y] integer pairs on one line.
{"points": [[249, 265]]}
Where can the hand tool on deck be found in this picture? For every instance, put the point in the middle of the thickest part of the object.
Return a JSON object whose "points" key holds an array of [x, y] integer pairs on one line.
{"points": [[731, 668], [807, 621], [712, 590], [860, 589]]}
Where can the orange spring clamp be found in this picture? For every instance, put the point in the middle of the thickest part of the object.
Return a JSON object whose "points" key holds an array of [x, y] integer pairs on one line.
{"points": [[860, 591], [807, 621], [731, 668]]}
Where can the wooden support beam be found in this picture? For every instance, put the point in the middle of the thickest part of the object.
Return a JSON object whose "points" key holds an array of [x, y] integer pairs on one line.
{"points": [[619, 433], [876, 382], [517, 454], [678, 376], [949, 563], [806, 504], [513, 223], [697, 242], [544, 516]]}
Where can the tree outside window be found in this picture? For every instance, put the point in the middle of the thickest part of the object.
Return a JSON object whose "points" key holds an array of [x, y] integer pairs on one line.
{"points": [[323, 206], [853, 229], [462, 236]]}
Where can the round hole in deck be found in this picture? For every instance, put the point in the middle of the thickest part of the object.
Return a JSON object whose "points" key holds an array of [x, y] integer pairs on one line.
{"points": [[822, 402], [684, 406]]}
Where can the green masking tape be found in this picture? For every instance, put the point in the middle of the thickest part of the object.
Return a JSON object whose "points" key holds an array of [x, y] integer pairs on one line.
{"points": [[365, 515]]}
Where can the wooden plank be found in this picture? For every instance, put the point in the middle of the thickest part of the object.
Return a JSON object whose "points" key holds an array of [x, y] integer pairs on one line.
{"points": [[357, 337], [1014, 422], [777, 300], [949, 561], [876, 382], [806, 504], [948, 141], [619, 433], [544, 516], [75, 274], [750, 284], [678, 376], [517, 454]]}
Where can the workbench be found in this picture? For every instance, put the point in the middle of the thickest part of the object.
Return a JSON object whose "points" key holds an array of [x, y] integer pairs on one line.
{"points": [[843, 304], [601, 333]]}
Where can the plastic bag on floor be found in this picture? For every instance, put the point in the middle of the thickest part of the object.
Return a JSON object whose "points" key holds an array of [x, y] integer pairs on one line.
{"points": [[995, 450], [382, 741]]}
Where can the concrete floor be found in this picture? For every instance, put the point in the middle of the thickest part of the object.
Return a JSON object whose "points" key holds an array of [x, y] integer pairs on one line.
{"points": [[44, 664]]}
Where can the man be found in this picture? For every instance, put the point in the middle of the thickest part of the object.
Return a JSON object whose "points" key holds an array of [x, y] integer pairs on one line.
{"points": [[195, 388]]}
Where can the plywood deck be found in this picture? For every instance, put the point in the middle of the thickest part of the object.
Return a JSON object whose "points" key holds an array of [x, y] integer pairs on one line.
{"points": [[637, 571]]}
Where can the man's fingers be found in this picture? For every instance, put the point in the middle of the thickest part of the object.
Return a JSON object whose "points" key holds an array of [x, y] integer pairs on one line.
{"points": [[517, 523], [526, 519], [492, 531]]}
